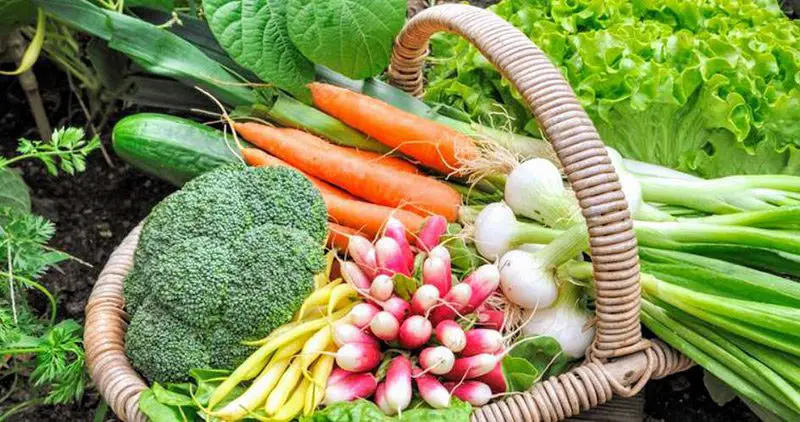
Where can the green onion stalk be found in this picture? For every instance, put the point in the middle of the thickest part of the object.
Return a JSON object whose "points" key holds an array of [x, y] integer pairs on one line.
{"points": [[738, 323]]}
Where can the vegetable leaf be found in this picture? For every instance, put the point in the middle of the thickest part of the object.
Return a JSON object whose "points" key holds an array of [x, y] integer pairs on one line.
{"points": [[363, 410], [157, 411], [520, 373], [15, 12], [352, 37], [14, 192], [405, 286], [544, 355], [254, 33], [705, 87]]}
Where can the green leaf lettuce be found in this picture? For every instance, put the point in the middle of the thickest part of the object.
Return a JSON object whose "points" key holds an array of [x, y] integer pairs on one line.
{"points": [[705, 86]]}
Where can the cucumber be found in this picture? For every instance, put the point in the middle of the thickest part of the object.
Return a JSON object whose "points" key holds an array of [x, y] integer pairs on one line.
{"points": [[171, 148]]}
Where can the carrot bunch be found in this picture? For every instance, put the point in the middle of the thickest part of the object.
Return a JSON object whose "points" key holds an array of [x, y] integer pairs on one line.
{"points": [[363, 189]]}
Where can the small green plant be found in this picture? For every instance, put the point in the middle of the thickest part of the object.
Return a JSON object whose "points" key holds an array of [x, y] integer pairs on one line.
{"points": [[38, 354]]}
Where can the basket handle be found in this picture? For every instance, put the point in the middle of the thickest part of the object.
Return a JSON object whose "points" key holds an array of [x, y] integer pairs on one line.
{"points": [[566, 125]]}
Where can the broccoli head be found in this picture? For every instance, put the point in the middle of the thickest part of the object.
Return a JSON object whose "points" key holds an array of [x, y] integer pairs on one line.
{"points": [[228, 258]]}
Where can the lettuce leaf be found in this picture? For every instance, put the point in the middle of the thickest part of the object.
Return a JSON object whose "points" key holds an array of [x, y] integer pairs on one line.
{"points": [[710, 87], [363, 410]]}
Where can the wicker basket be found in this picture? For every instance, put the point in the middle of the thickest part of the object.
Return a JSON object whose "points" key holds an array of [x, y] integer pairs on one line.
{"points": [[619, 362]]}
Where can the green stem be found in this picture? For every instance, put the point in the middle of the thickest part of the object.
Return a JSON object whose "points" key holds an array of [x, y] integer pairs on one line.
{"points": [[719, 196], [648, 212], [669, 235], [565, 247], [19, 408], [746, 366], [772, 218], [39, 287], [786, 365], [667, 329], [533, 233], [34, 155], [773, 317]]}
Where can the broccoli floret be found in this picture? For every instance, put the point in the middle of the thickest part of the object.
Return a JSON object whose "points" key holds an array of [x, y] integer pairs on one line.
{"points": [[162, 347], [228, 258]]}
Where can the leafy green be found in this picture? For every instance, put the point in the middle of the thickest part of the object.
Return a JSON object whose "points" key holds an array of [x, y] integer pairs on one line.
{"points": [[157, 411], [533, 359], [166, 5], [405, 286], [57, 367], [14, 13], [705, 86], [354, 38], [14, 192], [254, 34], [363, 410], [66, 150]]}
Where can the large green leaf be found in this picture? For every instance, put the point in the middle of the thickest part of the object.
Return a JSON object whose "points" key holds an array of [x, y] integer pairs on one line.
{"points": [[153, 4], [352, 37], [254, 33], [13, 191], [14, 13]]}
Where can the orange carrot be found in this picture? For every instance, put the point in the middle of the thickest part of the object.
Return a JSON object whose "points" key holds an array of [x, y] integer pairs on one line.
{"points": [[257, 158], [433, 144], [339, 236], [343, 208], [368, 218], [398, 164], [375, 183]]}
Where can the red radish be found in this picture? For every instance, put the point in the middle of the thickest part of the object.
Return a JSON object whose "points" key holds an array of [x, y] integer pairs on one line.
{"points": [[363, 253], [491, 318], [361, 315], [398, 384], [424, 298], [353, 275], [344, 333], [442, 253], [431, 232], [384, 326], [380, 399], [358, 357], [337, 375], [415, 332], [473, 392], [390, 257], [431, 390], [472, 367], [483, 281], [451, 335], [495, 379], [482, 340], [453, 303], [397, 307], [437, 273], [437, 360], [397, 231], [353, 387], [382, 287]]}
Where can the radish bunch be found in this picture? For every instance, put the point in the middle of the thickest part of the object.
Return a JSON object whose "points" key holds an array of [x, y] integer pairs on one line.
{"points": [[389, 347]]}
